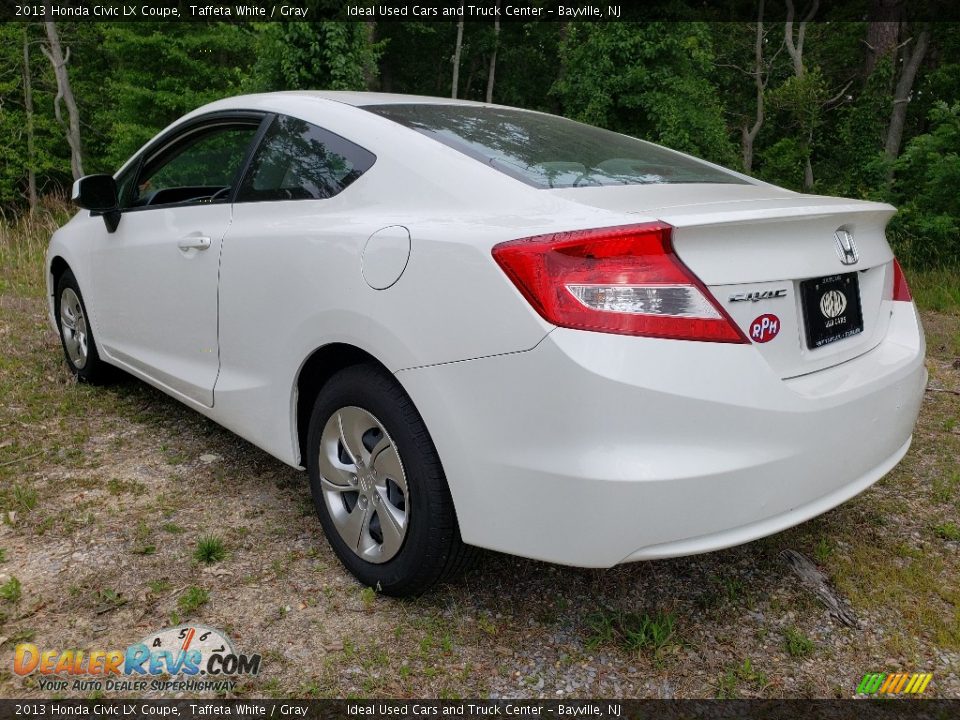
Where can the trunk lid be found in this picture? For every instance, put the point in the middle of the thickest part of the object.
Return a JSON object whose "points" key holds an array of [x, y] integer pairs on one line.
{"points": [[772, 259]]}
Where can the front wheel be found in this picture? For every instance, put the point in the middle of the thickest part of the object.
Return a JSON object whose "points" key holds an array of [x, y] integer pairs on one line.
{"points": [[76, 336], [378, 486]]}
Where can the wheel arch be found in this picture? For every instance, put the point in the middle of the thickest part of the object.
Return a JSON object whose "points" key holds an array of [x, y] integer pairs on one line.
{"points": [[58, 266], [322, 364]]}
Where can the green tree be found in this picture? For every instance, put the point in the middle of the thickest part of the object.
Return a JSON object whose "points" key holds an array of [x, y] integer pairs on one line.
{"points": [[652, 80], [51, 156], [155, 73], [314, 56], [927, 176]]}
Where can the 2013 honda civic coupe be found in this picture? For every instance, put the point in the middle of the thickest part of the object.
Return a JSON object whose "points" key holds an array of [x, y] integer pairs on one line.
{"points": [[476, 325]]}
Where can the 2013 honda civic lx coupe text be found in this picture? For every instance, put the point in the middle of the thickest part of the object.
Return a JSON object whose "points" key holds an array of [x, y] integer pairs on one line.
{"points": [[481, 326]]}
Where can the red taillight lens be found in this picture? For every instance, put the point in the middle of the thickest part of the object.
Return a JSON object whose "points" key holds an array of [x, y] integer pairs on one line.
{"points": [[624, 280], [900, 289]]}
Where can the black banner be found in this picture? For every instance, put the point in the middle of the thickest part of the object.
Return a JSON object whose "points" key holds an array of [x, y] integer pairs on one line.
{"points": [[451, 10]]}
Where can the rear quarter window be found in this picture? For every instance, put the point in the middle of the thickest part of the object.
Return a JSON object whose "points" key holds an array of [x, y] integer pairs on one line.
{"points": [[300, 161], [547, 151]]}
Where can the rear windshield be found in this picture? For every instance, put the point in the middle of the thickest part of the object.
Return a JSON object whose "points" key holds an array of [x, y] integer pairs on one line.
{"points": [[547, 151]]}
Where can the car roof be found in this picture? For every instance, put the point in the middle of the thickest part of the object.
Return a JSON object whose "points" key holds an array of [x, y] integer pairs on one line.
{"points": [[361, 99]]}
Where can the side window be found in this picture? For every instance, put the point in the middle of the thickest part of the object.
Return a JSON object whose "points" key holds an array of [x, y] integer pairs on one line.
{"points": [[299, 161], [199, 168]]}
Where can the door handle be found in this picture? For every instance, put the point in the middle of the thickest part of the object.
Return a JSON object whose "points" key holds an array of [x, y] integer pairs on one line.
{"points": [[194, 242]]}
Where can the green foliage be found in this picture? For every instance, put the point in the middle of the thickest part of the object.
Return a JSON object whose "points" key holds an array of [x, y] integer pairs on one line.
{"points": [[193, 599], [156, 74], [50, 161], [633, 631], [322, 55], [210, 549], [737, 676], [368, 596], [927, 230], [783, 162], [937, 289], [799, 103], [650, 80], [948, 531], [796, 643], [687, 85], [11, 590], [856, 165]]}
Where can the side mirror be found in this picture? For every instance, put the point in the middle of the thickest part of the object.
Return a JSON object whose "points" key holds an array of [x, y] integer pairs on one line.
{"points": [[98, 194]]}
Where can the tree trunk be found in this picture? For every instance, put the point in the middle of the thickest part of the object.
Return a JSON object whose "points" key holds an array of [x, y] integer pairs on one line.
{"points": [[456, 57], [28, 107], [795, 45], [901, 96], [882, 33], [808, 166], [369, 71], [59, 61], [493, 57], [750, 135], [795, 50]]}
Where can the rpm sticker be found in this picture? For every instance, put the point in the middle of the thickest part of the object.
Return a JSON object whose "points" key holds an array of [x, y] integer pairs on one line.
{"points": [[764, 328]]}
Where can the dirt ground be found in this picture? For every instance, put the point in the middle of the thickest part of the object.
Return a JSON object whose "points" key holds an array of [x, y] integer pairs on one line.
{"points": [[105, 494]]}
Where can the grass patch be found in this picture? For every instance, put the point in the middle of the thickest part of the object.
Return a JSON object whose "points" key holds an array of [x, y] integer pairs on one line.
{"points": [[23, 245], [107, 597], [210, 549], [945, 487], [11, 590], [796, 643], [368, 596], [632, 631], [948, 531], [936, 289], [158, 587], [21, 498], [143, 544], [823, 550], [738, 676], [192, 600], [116, 486]]}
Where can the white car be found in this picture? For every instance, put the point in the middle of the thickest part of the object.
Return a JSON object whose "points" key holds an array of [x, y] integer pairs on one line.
{"points": [[482, 326]]}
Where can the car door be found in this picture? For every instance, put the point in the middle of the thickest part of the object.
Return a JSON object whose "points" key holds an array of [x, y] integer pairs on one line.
{"points": [[288, 258], [156, 277]]}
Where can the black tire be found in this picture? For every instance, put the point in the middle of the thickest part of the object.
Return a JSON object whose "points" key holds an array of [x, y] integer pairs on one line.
{"points": [[85, 364], [431, 550]]}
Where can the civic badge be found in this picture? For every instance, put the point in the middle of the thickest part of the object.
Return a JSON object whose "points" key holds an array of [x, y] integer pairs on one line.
{"points": [[846, 247]]}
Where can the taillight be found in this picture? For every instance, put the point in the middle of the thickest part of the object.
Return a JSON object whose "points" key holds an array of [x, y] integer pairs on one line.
{"points": [[900, 289], [624, 280]]}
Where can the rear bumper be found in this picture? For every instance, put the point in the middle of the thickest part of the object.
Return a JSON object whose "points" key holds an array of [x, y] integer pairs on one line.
{"points": [[596, 449]]}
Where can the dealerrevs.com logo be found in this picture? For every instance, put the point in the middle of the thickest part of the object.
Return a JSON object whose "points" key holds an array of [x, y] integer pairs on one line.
{"points": [[191, 658], [894, 683]]}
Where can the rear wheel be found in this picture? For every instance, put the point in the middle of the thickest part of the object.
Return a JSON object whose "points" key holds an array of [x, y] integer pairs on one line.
{"points": [[378, 486], [76, 336]]}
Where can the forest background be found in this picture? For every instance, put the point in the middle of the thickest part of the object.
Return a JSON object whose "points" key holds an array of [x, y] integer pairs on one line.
{"points": [[860, 108]]}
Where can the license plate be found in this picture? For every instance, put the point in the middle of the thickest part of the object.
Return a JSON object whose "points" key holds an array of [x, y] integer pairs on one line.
{"points": [[831, 309]]}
